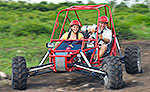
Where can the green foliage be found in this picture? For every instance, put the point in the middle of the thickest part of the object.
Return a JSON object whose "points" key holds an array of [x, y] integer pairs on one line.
{"points": [[29, 27], [139, 8], [124, 32]]}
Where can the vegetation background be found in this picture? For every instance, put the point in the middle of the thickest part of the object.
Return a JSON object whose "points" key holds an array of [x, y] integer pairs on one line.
{"points": [[26, 27]]}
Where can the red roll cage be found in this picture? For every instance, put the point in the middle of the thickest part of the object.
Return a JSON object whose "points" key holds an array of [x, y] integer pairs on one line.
{"points": [[87, 7]]}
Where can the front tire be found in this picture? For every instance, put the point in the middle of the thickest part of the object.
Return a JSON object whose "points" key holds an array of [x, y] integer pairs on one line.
{"points": [[114, 77], [19, 73]]}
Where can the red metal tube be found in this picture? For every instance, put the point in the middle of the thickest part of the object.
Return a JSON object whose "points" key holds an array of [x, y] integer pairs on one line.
{"points": [[68, 19], [78, 17], [92, 55], [63, 24], [113, 29], [56, 24]]}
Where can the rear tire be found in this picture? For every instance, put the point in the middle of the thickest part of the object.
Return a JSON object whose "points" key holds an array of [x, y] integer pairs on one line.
{"points": [[114, 77], [19, 73], [133, 60]]}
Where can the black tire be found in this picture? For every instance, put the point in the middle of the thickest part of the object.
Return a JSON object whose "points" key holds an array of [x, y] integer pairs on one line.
{"points": [[19, 73], [133, 60], [114, 77]]}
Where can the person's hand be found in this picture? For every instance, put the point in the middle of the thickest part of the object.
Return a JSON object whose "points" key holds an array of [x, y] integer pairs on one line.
{"points": [[100, 36], [91, 30]]}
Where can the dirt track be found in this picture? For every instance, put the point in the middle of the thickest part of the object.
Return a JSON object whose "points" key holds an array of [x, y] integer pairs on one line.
{"points": [[73, 82]]}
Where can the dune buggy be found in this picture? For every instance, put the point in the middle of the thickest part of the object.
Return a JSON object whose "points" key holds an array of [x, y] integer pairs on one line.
{"points": [[74, 55]]}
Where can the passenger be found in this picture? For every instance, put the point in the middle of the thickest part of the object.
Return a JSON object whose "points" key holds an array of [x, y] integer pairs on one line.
{"points": [[73, 33]]}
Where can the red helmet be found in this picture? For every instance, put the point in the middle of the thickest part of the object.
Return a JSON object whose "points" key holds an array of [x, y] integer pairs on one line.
{"points": [[103, 19], [75, 22]]}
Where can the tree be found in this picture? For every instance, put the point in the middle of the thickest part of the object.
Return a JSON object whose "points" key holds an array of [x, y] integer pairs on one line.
{"points": [[43, 2], [122, 6], [91, 2], [79, 2], [113, 4], [139, 8], [148, 4]]}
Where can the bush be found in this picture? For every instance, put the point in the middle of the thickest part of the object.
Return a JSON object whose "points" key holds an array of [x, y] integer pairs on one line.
{"points": [[25, 28], [124, 32]]}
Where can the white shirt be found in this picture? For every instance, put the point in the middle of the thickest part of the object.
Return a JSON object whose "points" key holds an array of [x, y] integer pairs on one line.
{"points": [[106, 34]]}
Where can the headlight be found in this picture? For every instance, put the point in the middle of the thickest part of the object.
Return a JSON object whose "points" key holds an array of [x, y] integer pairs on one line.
{"points": [[50, 45]]}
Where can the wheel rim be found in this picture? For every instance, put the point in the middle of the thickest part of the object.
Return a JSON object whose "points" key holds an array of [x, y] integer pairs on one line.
{"points": [[106, 80], [12, 78], [139, 66]]}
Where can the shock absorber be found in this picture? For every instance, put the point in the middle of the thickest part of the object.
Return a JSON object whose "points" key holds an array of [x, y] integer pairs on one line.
{"points": [[79, 57]]}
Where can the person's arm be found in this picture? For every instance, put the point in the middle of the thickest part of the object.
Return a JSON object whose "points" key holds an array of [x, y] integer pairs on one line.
{"points": [[105, 40]]}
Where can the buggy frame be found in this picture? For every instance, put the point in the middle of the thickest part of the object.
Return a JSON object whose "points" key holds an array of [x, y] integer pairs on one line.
{"points": [[51, 52]]}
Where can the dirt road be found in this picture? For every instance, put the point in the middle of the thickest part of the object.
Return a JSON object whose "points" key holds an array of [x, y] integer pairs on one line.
{"points": [[74, 82]]}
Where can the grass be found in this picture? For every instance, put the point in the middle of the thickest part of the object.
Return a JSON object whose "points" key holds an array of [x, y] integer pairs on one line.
{"points": [[32, 48]]}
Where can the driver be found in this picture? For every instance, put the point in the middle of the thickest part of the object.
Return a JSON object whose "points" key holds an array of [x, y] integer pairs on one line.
{"points": [[104, 35]]}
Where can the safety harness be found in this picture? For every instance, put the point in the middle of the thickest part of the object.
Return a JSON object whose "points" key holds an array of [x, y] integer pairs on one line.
{"points": [[70, 34]]}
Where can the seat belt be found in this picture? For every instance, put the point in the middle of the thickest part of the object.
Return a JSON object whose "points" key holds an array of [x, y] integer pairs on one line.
{"points": [[70, 35], [100, 33]]}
